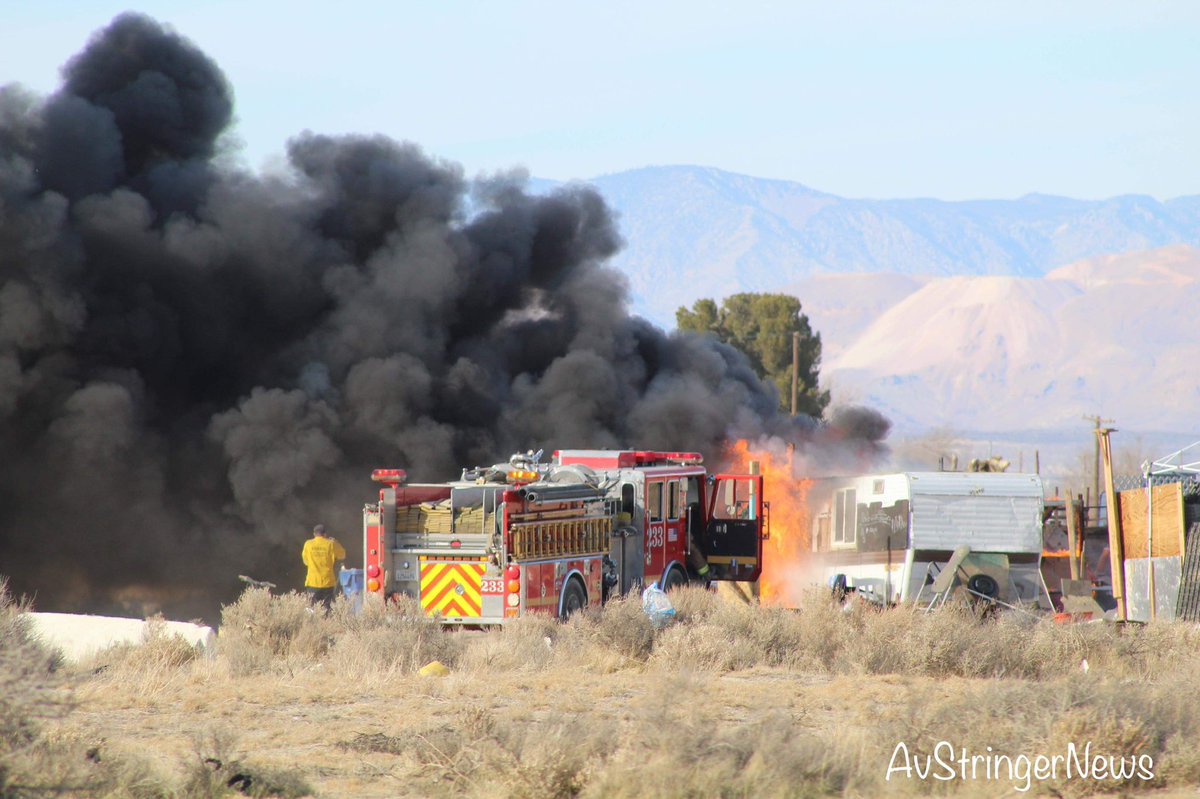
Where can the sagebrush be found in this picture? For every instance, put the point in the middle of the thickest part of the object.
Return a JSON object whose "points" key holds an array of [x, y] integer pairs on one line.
{"points": [[730, 700]]}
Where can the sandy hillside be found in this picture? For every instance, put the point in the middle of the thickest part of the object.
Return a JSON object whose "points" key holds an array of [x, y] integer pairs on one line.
{"points": [[1113, 334]]}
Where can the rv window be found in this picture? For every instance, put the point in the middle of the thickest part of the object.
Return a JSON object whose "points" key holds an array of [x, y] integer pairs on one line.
{"points": [[845, 510], [877, 487], [654, 498]]}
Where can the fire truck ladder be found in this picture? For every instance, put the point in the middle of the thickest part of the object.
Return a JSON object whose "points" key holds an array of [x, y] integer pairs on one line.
{"points": [[552, 538]]}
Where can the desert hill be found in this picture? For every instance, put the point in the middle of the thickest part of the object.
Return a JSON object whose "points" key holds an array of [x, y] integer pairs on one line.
{"points": [[1113, 333]]}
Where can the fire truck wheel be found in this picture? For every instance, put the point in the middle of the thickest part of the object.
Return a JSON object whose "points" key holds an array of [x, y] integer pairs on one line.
{"points": [[573, 599], [675, 578]]}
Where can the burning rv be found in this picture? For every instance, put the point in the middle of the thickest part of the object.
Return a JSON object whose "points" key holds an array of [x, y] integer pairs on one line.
{"points": [[922, 536]]}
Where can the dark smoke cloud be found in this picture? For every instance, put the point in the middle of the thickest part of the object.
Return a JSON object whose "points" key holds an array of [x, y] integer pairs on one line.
{"points": [[196, 363]]}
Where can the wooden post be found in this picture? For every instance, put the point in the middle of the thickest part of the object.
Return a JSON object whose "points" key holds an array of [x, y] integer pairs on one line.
{"points": [[1182, 525], [1116, 548], [1083, 529], [1098, 420], [1073, 536], [795, 369], [1150, 548]]}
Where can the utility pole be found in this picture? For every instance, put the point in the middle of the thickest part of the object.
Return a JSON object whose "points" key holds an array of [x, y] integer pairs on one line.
{"points": [[1098, 421], [795, 368]]}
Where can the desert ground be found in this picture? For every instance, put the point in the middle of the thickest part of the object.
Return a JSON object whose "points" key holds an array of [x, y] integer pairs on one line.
{"points": [[729, 701]]}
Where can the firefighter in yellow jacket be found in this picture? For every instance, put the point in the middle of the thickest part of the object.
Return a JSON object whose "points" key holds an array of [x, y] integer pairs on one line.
{"points": [[320, 554]]}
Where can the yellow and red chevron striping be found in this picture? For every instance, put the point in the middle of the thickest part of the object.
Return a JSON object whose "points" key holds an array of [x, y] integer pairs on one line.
{"points": [[452, 589]]}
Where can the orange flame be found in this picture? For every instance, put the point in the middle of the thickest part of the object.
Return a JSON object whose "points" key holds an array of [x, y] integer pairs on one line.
{"points": [[787, 552]]}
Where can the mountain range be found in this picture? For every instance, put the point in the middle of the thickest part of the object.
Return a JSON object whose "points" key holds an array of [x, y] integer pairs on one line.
{"points": [[993, 323], [985, 316], [697, 231]]}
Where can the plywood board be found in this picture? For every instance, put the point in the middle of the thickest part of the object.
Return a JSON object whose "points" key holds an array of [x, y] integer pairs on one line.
{"points": [[1166, 531]]}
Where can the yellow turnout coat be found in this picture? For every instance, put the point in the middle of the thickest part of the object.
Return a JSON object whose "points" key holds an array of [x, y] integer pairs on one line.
{"points": [[319, 555]]}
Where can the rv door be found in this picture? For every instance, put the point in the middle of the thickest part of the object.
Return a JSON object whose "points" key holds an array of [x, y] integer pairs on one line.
{"points": [[735, 527]]}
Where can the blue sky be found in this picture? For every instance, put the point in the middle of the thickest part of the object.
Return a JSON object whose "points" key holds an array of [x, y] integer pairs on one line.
{"points": [[952, 100]]}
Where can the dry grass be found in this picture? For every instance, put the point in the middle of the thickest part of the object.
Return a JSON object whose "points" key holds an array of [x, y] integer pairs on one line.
{"points": [[37, 756], [218, 769], [729, 701], [30, 685]]}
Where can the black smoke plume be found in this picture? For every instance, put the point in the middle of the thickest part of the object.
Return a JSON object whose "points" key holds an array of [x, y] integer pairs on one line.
{"points": [[197, 363]]}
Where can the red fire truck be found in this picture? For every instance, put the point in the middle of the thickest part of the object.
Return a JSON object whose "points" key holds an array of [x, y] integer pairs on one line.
{"points": [[527, 537]]}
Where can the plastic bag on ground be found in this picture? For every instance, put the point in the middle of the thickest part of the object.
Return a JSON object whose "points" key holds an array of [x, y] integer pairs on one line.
{"points": [[657, 606]]}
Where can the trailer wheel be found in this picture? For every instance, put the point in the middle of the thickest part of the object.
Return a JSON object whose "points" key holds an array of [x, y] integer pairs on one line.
{"points": [[574, 599], [675, 578], [984, 584]]}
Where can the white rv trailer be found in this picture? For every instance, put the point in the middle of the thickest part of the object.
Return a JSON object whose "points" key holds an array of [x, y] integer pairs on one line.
{"points": [[888, 536]]}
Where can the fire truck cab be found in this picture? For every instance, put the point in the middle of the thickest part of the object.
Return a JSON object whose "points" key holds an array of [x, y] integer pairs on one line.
{"points": [[527, 537]]}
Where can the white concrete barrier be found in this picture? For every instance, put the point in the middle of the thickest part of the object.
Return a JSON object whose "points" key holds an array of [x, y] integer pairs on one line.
{"points": [[78, 636]]}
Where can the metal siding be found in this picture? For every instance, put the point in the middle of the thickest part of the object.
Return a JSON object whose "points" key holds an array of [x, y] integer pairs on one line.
{"points": [[975, 483], [987, 522], [1137, 588], [895, 488]]}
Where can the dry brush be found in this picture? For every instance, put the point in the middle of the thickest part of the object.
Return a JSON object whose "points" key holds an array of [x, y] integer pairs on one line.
{"points": [[731, 700]]}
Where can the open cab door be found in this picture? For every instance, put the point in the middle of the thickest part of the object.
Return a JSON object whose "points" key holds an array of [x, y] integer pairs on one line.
{"points": [[735, 526]]}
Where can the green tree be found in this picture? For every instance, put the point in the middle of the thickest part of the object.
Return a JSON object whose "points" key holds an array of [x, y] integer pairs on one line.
{"points": [[761, 326]]}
